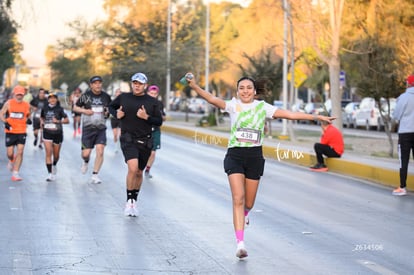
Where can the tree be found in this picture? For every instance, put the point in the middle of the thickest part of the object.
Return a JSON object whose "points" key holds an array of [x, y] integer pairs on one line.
{"points": [[320, 22], [76, 58], [378, 61], [9, 47], [266, 68]]}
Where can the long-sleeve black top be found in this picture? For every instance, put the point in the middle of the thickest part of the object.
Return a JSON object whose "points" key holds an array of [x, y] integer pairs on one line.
{"points": [[131, 123]]}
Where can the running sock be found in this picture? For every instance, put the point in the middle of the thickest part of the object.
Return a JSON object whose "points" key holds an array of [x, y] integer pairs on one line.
{"points": [[130, 195], [135, 194], [94, 173], [49, 168], [147, 168], [239, 235], [55, 162], [246, 212]]}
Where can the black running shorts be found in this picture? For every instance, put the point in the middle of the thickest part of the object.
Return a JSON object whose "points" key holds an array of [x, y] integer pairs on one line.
{"points": [[14, 139], [91, 137], [133, 150], [55, 138], [245, 160]]}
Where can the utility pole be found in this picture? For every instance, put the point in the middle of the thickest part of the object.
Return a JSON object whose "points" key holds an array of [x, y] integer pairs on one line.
{"points": [[207, 57], [285, 54], [168, 78]]}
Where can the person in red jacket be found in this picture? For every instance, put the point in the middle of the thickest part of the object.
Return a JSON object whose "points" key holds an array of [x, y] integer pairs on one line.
{"points": [[331, 146]]}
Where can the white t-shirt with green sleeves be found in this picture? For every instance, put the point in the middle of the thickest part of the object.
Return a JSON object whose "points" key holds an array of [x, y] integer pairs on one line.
{"points": [[247, 122]]}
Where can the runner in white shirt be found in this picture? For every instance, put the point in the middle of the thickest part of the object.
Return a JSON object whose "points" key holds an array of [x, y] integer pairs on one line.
{"points": [[244, 162]]}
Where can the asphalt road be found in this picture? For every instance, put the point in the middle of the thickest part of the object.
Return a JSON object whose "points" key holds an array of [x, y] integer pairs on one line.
{"points": [[302, 223]]}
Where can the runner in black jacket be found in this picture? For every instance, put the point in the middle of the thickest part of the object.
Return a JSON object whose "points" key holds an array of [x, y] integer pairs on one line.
{"points": [[138, 112]]}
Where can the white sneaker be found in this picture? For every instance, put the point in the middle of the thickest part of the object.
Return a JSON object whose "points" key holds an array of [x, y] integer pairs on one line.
{"points": [[128, 208], [241, 251], [84, 168], [95, 179], [54, 170], [399, 192], [50, 177], [134, 210], [131, 209], [246, 220]]}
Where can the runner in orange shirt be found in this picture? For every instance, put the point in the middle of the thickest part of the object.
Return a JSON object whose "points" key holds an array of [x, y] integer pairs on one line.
{"points": [[15, 114]]}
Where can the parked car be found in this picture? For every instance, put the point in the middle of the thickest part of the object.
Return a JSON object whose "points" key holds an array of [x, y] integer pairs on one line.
{"points": [[368, 115], [175, 103], [348, 114], [313, 108], [387, 115], [278, 103], [198, 105]]}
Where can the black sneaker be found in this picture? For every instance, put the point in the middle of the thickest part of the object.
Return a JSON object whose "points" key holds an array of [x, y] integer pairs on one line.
{"points": [[319, 167], [35, 142]]}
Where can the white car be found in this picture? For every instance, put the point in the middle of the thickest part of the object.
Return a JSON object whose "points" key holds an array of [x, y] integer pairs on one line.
{"points": [[198, 106], [387, 115], [348, 114], [368, 115]]}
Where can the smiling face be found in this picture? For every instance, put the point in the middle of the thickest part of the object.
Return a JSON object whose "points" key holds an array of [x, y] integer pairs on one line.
{"points": [[246, 90], [52, 100]]}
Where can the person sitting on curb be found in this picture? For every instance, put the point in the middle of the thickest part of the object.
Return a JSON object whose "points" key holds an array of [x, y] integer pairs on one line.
{"points": [[331, 145]]}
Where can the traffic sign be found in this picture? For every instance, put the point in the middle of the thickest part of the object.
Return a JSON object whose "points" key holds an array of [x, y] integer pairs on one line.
{"points": [[342, 79], [300, 77]]}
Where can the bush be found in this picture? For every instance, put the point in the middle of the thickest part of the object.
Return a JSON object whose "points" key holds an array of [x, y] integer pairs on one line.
{"points": [[209, 120]]}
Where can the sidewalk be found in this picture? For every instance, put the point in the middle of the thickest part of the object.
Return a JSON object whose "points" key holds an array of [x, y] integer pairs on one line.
{"points": [[379, 170]]}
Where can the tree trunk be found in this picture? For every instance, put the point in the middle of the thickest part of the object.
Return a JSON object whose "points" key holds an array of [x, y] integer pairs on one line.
{"points": [[335, 91]]}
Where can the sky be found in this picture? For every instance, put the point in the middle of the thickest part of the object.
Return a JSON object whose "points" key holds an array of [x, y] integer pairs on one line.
{"points": [[43, 23]]}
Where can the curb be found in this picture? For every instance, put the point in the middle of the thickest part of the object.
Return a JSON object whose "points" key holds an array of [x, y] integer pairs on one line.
{"points": [[380, 175]]}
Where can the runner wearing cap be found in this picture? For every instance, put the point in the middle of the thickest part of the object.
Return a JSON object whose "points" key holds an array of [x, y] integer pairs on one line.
{"points": [[15, 114], [138, 113], [404, 114], [156, 131], [52, 117], [93, 107]]}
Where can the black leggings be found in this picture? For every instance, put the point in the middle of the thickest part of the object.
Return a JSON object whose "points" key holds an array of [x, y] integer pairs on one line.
{"points": [[323, 149], [405, 145]]}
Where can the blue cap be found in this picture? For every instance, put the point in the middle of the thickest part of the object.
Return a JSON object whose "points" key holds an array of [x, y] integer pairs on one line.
{"points": [[140, 77]]}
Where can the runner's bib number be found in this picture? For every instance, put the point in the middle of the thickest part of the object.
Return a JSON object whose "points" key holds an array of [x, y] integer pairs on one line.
{"points": [[248, 135], [50, 126], [97, 109], [17, 115]]}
